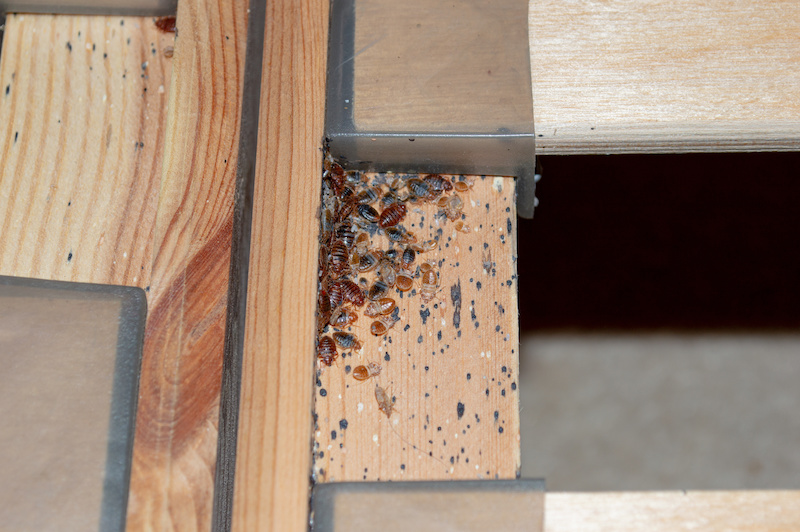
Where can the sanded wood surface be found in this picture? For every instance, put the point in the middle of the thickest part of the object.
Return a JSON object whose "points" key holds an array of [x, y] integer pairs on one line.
{"points": [[176, 438], [665, 76], [698, 511], [451, 364], [100, 183], [273, 465]]}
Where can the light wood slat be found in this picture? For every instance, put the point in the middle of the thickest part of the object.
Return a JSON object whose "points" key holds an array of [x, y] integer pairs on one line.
{"points": [[81, 145], [175, 447], [273, 465], [451, 364], [696, 511], [665, 76]]}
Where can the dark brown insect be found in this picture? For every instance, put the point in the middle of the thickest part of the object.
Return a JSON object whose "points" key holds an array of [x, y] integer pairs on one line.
{"points": [[385, 403], [324, 306], [370, 195], [339, 259], [350, 292], [368, 213], [384, 305], [368, 262], [378, 290], [345, 235], [335, 174], [326, 350], [419, 188], [380, 326], [430, 281], [392, 215], [362, 373], [346, 340], [408, 258], [343, 317], [438, 184], [166, 24], [396, 234], [345, 209], [390, 198], [387, 271]]}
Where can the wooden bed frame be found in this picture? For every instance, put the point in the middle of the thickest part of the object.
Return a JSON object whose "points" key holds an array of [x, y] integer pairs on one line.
{"points": [[118, 164]]}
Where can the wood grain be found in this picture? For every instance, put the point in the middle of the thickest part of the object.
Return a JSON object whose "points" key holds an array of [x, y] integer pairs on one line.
{"points": [[698, 511], [81, 143], [176, 437], [665, 76], [271, 486], [451, 364], [100, 183]]}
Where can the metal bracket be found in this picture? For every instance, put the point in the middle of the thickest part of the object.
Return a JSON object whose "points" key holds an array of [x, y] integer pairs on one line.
{"points": [[434, 86]]}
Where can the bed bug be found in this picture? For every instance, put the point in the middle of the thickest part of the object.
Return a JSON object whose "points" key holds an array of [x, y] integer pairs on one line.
{"points": [[404, 282], [385, 403], [401, 236], [384, 305], [335, 174], [463, 186], [346, 340], [346, 193], [454, 206], [339, 259], [345, 209], [362, 373], [169, 51], [351, 292], [419, 188], [438, 184], [409, 255], [426, 266], [424, 247], [462, 227], [430, 281], [392, 215], [387, 272], [442, 202], [390, 198], [378, 290], [345, 235], [368, 196], [343, 317], [383, 324], [368, 262], [166, 24], [326, 350], [368, 213]]}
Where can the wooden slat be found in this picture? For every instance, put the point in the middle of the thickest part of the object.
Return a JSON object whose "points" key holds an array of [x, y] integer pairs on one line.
{"points": [[88, 192], [451, 364], [696, 511], [81, 144], [271, 486], [665, 76], [176, 437]]}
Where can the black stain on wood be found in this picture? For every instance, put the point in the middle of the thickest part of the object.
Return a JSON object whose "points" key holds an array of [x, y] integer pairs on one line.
{"points": [[460, 410], [455, 296], [424, 315]]}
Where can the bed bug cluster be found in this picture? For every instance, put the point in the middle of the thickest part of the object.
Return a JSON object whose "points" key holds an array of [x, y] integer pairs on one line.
{"points": [[367, 257]]}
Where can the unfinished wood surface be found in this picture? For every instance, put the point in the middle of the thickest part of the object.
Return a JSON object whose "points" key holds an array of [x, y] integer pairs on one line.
{"points": [[273, 465], [89, 193], [450, 365], [665, 76], [176, 432], [698, 511], [81, 141]]}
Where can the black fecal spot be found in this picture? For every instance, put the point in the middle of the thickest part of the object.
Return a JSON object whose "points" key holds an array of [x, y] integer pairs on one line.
{"points": [[508, 283], [424, 315], [487, 207], [419, 339], [333, 434], [343, 424], [386, 357], [501, 309], [503, 392], [8, 89], [69, 257], [452, 460], [427, 368], [347, 369], [322, 454], [460, 409], [455, 296], [469, 376], [323, 392], [504, 369], [497, 328], [402, 466], [485, 245], [509, 226], [478, 285], [477, 419], [319, 382], [496, 415], [487, 392], [69, 46], [439, 335], [477, 324], [472, 311], [500, 430], [69, 204], [16, 136], [105, 55], [513, 386]]}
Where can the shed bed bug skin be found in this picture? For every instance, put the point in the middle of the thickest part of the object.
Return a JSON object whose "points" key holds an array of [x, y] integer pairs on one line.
{"points": [[378, 290], [462, 227], [362, 373], [430, 281], [384, 400], [382, 306], [380, 326], [343, 317]]}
